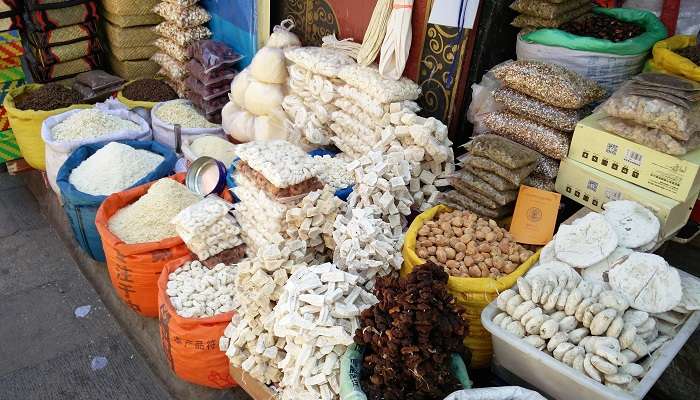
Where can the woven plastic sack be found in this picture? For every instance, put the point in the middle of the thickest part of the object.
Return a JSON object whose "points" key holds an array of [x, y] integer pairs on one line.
{"points": [[57, 152], [26, 126], [164, 132], [134, 268], [472, 294], [81, 208], [666, 59], [191, 345]]}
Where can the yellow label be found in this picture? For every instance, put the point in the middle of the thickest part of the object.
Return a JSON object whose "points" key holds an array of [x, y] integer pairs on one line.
{"points": [[535, 215]]}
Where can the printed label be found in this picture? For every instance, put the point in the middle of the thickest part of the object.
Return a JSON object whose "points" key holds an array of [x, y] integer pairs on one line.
{"points": [[633, 157], [592, 185], [613, 195], [611, 148]]}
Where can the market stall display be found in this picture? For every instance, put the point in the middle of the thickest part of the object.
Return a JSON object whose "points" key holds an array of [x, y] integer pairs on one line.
{"points": [[543, 13], [180, 113]]}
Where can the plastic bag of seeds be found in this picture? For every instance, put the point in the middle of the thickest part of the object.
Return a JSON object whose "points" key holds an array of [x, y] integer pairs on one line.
{"points": [[207, 92], [548, 141], [172, 49], [650, 137], [182, 36], [546, 166], [466, 179], [210, 106], [173, 69], [459, 201], [546, 9], [213, 54], [501, 150], [550, 83], [492, 179], [679, 119], [185, 17], [183, 3], [459, 185], [524, 20], [219, 75], [536, 110], [540, 182], [514, 176]]}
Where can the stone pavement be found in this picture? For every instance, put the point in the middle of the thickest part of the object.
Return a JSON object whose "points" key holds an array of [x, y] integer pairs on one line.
{"points": [[46, 352]]}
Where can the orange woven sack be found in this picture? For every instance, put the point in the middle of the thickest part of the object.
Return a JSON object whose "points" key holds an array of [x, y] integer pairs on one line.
{"points": [[191, 345], [134, 268]]}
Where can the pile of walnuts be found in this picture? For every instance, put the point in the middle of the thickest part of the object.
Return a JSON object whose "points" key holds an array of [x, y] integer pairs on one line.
{"points": [[409, 337], [469, 246]]}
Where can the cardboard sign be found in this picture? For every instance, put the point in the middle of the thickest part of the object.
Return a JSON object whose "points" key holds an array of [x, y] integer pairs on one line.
{"points": [[535, 215]]}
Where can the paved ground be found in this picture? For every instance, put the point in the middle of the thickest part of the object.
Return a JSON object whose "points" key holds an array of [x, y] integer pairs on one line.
{"points": [[46, 352]]}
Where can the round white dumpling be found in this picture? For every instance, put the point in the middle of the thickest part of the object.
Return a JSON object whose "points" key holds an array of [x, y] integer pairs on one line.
{"points": [[586, 242], [634, 224], [647, 282]]}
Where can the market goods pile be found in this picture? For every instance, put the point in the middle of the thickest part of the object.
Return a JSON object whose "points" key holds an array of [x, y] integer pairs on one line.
{"points": [[47, 97], [601, 26], [469, 246], [183, 26], [548, 14], [409, 337], [333, 171], [90, 123], [113, 168], [312, 219], [148, 218], [656, 110], [626, 306], [491, 173], [180, 112], [207, 228], [152, 90], [541, 106], [199, 292]]}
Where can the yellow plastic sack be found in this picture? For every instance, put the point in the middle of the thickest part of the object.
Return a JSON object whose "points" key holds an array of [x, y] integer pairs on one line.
{"points": [[472, 294], [666, 59], [26, 125]]}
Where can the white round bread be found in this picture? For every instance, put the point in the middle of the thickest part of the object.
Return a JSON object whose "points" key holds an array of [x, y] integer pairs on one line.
{"points": [[634, 224], [553, 267], [547, 253], [647, 282], [595, 272], [587, 241]]}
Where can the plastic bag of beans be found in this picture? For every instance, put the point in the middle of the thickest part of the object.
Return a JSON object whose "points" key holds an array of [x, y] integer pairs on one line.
{"points": [[536, 110], [548, 141]]}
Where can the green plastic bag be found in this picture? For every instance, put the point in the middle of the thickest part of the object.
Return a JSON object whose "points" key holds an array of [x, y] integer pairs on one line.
{"points": [[654, 31], [351, 366]]}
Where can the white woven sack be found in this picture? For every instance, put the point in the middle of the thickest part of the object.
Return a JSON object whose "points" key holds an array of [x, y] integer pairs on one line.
{"points": [[57, 152], [164, 132], [608, 70]]}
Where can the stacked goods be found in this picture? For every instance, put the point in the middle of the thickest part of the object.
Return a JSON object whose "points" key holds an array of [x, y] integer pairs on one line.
{"points": [[149, 218], [469, 246], [254, 111], [656, 110], [317, 316], [541, 104], [249, 341], [11, 15], [196, 291], [148, 90], [334, 100], [11, 76], [333, 171], [96, 85], [210, 75], [609, 323], [270, 177], [63, 40], [183, 23], [548, 13], [491, 173], [128, 28], [208, 229], [409, 337]]}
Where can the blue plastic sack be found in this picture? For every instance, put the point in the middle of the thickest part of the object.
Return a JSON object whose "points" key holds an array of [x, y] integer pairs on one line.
{"points": [[81, 207]]}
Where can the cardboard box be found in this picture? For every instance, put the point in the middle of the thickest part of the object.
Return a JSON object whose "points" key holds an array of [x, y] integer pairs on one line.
{"points": [[593, 189], [674, 177], [255, 389]]}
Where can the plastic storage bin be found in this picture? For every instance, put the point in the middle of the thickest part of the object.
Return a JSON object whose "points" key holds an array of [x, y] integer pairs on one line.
{"points": [[558, 380]]}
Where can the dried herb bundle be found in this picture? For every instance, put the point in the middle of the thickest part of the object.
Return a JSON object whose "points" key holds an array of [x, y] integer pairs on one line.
{"points": [[409, 336]]}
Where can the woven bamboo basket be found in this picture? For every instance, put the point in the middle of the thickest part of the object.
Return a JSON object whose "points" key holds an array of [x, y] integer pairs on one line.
{"points": [[137, 36], [126, 21], [129, 7], [134, 69], [133, 53]]}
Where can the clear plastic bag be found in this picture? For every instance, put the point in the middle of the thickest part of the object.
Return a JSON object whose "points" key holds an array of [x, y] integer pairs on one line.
{"points": [[671, 119], [501, 150], [550, 83], [457, 200], [213, 54], [547, 166], [492, 179], [546, 8], [477, 183], [540, 182], [172, 49], [514, 176], [210, 106], [185, 17], [212, 78], [98, 80], [555, 117], [548, 141], [173, 69], [207, 92], [182, 36], [525, 21], [650, 137], [465, 188]]}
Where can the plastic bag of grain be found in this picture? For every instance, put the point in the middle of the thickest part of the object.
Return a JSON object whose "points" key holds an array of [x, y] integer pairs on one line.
{"points": [[65, 132], [166, 115]]}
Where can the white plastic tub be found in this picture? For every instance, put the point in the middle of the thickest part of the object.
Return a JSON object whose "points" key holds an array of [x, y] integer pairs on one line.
{"points": [[559, 381]]}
